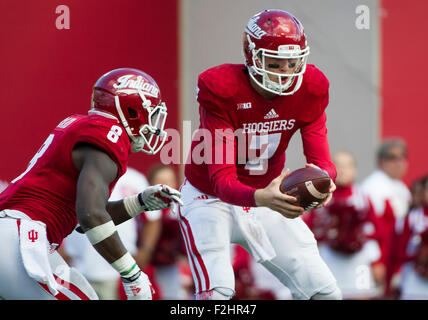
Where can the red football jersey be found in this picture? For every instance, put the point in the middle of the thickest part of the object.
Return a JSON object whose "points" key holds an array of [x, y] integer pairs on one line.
{"points": [[241, 142], [411, 235], [347, 222], [46, 191]]}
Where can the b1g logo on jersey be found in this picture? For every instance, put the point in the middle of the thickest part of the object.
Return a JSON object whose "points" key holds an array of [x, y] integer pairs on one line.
{"points": [[242, 106], [127, 85]]}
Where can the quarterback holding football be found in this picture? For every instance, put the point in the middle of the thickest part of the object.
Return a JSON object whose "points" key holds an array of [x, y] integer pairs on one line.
{"points": [[69, 182], [262, 103]]}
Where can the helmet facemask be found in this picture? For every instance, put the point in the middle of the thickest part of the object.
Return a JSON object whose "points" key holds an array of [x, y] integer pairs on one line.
{"points": [[258, 72], [152, 133], [151, 136]]}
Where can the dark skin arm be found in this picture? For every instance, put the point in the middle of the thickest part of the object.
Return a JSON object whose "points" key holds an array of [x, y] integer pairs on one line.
{"points": [[83, 152], [97, 171], [117, 212]]}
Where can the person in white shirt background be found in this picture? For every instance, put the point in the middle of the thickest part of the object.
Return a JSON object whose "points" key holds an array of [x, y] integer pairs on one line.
{"points": [[389, 194]]}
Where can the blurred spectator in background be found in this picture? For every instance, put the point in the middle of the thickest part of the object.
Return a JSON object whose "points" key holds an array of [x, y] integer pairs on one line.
{"points": [[169, 256], [417, 190], [411, 249], [349, 235], [253, 281], [390, 196], [79, 253]]}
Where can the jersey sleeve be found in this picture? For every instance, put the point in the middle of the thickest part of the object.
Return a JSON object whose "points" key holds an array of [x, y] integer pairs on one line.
{"points": [[210, 98], [108, 137], [218, 135], [316, 147], [316, 96]]}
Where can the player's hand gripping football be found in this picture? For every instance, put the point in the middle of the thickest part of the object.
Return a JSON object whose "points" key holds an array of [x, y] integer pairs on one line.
{"points": [[159, 197], [274, 199], [139, 288], [330, 191]]}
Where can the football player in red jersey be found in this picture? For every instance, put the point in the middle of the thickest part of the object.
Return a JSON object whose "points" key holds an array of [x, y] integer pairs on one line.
{"points": [[248, 114], [68, 182]]}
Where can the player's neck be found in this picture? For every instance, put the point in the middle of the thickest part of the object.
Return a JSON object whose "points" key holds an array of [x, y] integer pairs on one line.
{"points": [[264, 93]]}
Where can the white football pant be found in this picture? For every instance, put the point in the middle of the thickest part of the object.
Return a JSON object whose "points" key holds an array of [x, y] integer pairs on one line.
{"points": [[30, 269], [209, 228]]}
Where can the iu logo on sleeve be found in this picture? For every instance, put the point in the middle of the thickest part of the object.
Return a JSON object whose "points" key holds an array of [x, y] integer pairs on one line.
{"points": [[33, 235]]}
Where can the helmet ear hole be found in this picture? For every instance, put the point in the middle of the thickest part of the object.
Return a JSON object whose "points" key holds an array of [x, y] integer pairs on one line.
{"points": [[132, 113]]}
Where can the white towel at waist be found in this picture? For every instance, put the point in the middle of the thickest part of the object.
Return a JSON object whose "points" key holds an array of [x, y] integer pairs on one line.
{"points": [[34, 248], [253, 231]]}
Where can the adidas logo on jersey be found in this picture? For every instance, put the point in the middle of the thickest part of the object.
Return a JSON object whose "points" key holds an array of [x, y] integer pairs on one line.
{"points": [[271, 114]]}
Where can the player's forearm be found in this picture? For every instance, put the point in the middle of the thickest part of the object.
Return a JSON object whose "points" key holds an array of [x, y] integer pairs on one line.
{"points": [[117, 212], [317, 152], [102, 234], [106, 241], [156, 197], [229, 189], [127, 208], [111, 249], [316, 147], [329, 167]]}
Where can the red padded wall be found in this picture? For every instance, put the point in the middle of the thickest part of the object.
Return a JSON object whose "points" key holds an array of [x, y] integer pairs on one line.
{"points": [[404, 83], [47, 74]]}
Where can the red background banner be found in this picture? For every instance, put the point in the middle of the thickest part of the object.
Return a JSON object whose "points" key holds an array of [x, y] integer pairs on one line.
{"points": [[404, 89], [47, 73]]}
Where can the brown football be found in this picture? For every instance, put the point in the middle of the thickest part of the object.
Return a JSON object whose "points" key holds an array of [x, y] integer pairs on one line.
{"points": [[309, 185]]}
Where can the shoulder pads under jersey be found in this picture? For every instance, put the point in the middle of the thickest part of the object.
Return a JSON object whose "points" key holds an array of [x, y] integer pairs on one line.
{"points": [[316, 82], [223, 80]]}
